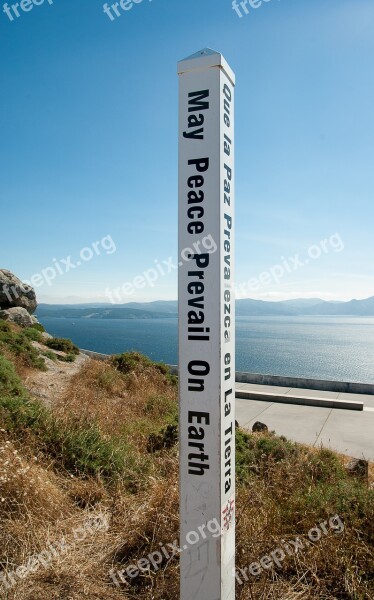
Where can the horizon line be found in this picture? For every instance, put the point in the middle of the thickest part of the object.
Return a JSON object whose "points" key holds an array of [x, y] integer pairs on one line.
{"points": [[80, 303]]}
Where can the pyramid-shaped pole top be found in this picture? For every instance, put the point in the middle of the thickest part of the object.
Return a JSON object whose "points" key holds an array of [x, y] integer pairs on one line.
{"points": [[205, 59]]}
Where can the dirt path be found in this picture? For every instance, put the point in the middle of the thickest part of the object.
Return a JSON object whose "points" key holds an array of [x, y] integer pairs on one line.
{"points": [[52, 384]]}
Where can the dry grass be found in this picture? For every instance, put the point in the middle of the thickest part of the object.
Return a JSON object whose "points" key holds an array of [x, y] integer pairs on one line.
{"points": [[284, 489], [135, 405]]}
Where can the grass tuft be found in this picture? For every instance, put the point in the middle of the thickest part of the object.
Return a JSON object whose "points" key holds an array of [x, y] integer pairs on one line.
{"points": [[16, 343]]}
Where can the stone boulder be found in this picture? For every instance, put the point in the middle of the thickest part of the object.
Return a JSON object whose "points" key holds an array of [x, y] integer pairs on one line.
{"points": [[18, 315], [358, 467], [46, 336], [15, 294], [259, 427]]}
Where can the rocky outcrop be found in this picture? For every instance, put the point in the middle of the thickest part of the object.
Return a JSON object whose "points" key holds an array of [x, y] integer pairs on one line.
{"points": [[17, 300], [15, 294], [18, 315]]}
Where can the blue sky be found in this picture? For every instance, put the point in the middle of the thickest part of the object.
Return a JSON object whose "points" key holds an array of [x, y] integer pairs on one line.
{"points": [[88, 127]]}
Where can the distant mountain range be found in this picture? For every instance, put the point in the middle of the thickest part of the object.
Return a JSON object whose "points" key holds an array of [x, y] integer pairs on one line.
{"points": [[163, 309]]}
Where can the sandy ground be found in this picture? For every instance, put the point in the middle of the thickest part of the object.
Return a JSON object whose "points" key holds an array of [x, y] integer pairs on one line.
{"points": [[51, 385]]}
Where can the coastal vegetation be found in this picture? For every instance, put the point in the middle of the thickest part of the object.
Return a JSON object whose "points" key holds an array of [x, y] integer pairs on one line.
{"points": [[107, 445]]}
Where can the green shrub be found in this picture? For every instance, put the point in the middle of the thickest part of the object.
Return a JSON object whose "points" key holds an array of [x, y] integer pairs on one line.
{"points": [[325, 466], [138, 364], [166, 438], [110, 381], [273, 447], [10, 383], [344, 496], [161, 406], [131, 362], [172, 379], [17, 411], [306, 484], [161, 367], [5, 327], [68, 358], [79, 448], [259, 452], [256, 454], [19, 344], [62, 345], [19, 414], [33, 334], [84, 450], [38, 327], [51, 355]]}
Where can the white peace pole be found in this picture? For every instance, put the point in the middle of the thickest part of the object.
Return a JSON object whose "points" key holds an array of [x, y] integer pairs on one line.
{"points": [[206, 327]]}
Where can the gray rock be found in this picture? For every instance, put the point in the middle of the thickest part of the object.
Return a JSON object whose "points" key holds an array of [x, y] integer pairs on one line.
{"points": [[13, 293], [47, 336], [259, 427], [18, 315], [358, 467]]}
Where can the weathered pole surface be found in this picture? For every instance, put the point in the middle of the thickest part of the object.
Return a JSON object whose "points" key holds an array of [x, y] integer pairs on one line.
{"points": [[206, 327]]}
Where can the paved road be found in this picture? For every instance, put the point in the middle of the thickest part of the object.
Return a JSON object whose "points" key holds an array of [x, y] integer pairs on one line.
{"points": [[346, 431]]}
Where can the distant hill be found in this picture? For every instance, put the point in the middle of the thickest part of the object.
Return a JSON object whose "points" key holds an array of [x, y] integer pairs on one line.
{"points": [[301, 303], [69, 312], [169, 307], [244, 308], [258, 308], [361, 308]]}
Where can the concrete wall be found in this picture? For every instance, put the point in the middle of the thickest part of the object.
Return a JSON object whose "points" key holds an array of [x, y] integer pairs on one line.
{"points": [[96, 355], [299, 382], [278, 380], [308, 384]]}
